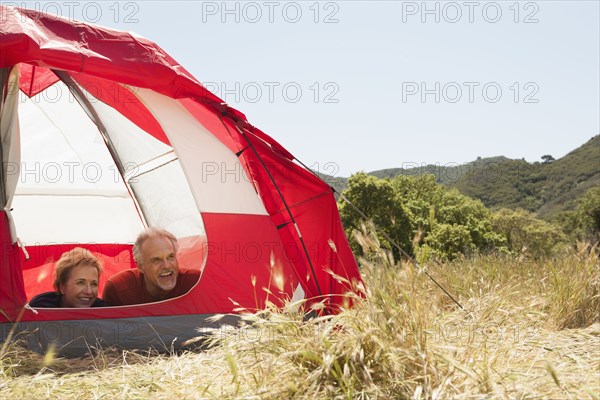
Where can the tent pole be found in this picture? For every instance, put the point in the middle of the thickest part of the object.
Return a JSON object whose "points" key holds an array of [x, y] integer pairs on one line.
{"points": [[4, 73]]}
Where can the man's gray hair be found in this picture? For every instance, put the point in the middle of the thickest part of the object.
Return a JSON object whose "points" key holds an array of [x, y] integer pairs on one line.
{"points": [[149, 233]]}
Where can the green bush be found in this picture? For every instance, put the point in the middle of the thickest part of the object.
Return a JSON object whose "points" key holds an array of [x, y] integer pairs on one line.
{"points": [[420, 215], [448, 242], [526, 234], [380, 201], [583, 223]]}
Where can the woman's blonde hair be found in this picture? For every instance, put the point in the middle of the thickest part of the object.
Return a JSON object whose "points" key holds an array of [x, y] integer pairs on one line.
{"points": [[71, 259]]}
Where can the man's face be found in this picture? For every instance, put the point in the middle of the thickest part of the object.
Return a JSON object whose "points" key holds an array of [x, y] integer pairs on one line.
{"points": [[159, 266]]}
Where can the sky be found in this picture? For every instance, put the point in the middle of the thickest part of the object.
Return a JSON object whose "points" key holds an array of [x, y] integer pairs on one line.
{"points": [[350, 86]]}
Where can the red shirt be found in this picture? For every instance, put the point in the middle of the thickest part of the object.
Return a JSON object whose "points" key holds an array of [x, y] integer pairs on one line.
{"points": [[128, 287]]}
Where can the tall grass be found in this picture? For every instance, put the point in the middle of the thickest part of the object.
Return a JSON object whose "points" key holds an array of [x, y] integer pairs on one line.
{"points": [[529, 329], [407, 339]]}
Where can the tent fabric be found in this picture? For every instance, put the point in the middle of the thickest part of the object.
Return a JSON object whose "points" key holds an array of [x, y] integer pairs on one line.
{"points": [[48, 41], [164, 333], [9, 139], [122, 100], [12, 289], [35, 80], [261, 228]]}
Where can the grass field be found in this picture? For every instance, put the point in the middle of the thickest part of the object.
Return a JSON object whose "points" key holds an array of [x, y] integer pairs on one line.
{"points": [[529, 329]]}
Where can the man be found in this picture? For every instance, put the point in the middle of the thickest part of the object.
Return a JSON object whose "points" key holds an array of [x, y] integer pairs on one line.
{"points": [[157, 277]]}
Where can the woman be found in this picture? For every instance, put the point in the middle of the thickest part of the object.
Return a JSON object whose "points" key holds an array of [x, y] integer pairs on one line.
{"points": [[76, 282]]}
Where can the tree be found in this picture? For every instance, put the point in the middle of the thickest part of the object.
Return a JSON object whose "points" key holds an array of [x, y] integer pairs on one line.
{"points": [[589, 211], [419, 195], [378, 199], [417, 212], [547, 158], [448, 242], [583, 223], [431, 203], [525, 234]]}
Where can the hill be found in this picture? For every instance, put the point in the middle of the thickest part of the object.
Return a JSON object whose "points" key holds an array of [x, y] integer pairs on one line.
{"points": [[337, 182], [444, 174], [546, 188]]}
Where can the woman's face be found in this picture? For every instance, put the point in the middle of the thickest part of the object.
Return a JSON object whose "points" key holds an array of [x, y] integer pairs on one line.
{"points": [[81, 289]]}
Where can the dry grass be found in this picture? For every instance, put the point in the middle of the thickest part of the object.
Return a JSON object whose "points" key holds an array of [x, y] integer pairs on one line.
{"points": [[530, 329]]}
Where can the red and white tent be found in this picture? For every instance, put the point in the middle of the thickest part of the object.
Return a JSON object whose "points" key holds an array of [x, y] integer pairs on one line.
{"points": [[103, 133]]}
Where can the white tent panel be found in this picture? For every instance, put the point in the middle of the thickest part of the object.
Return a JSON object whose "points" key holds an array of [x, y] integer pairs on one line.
{"points": [[10, 146], [9, 135], [62, 149], [165, 197], [75, 219], [69, 189], [218, 181]]}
